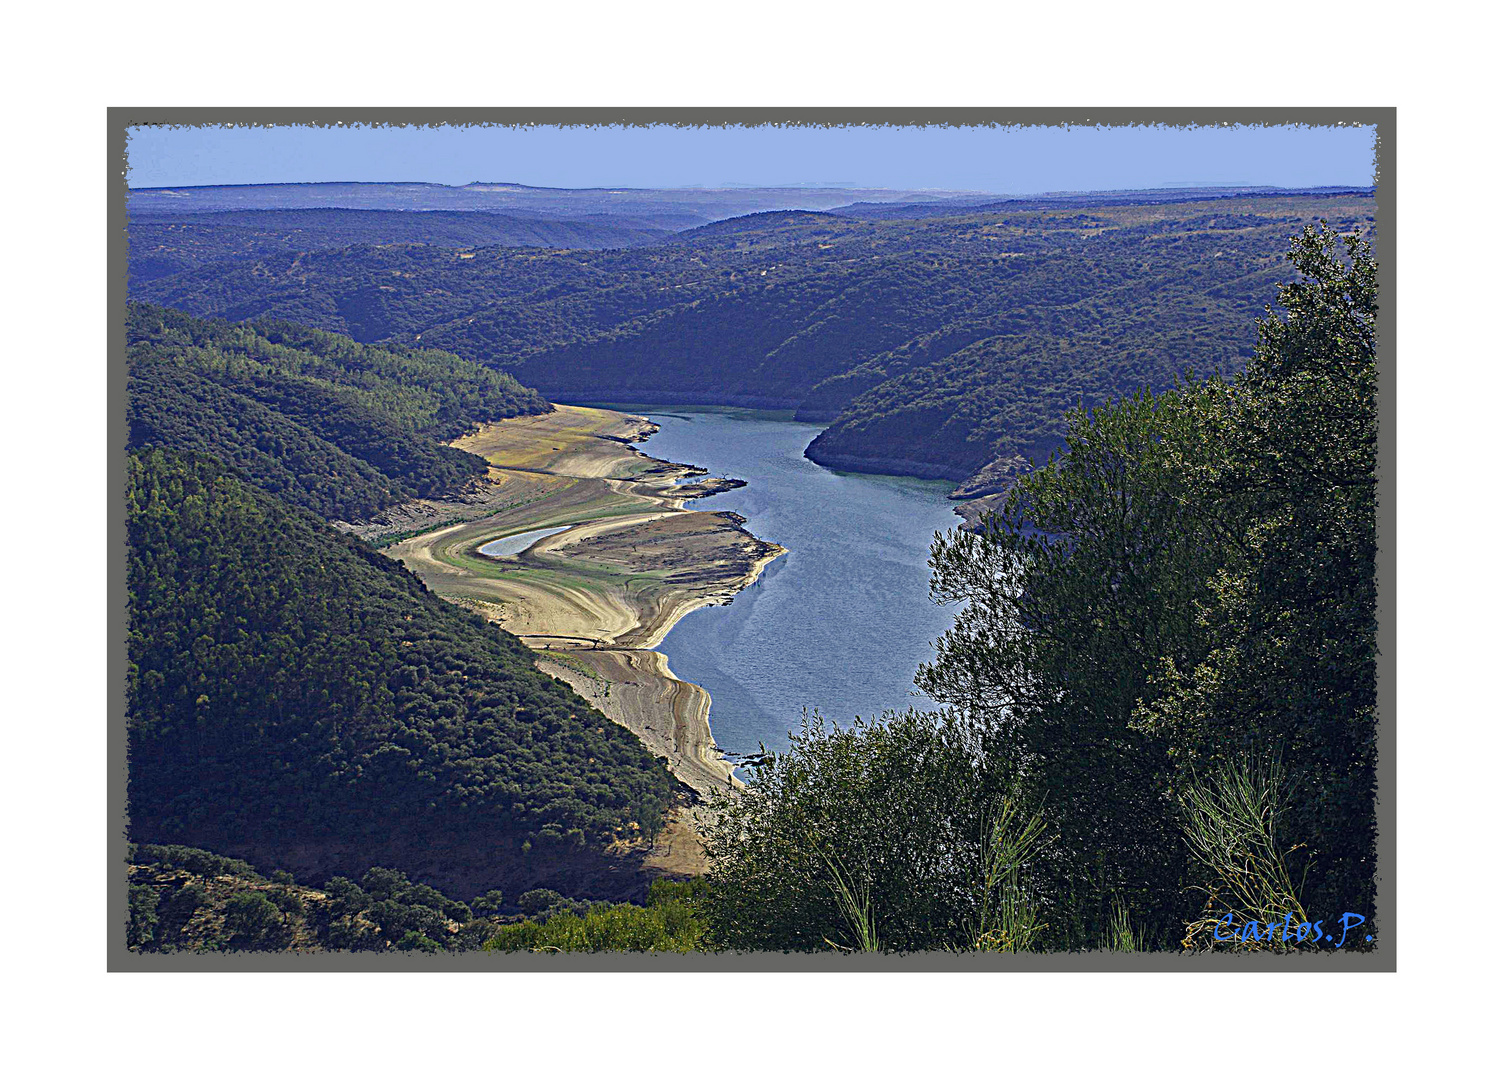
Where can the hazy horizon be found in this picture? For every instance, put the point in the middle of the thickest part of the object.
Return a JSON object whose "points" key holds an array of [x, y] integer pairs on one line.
{"points": [[974, 159], [730, 185]]}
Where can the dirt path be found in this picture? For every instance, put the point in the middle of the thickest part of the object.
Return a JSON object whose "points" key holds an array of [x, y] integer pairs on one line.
{"points": [[678, 848]]}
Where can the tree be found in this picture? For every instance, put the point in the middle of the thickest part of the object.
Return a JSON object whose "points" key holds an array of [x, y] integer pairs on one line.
{"points": [[1070, 598], [1290, 667], [412, 941], [1191, 581], [142, 925], [254, 922], [874, 834], [490, 903]]}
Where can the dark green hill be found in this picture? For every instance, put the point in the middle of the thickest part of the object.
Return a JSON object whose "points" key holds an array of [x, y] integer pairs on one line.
{"points": [[174, 406], [338, 428], [297, 699], [936, 345], [760, 224], [378, 292]]}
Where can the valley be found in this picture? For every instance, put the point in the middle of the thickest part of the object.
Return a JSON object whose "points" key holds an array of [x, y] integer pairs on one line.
{"points": [[945, 338], [495, 552]]}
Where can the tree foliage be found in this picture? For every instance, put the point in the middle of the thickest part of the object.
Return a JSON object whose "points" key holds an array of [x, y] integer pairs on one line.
{"points": [[1191, 581], [1290, 660], [889, 821], [338, 428]]}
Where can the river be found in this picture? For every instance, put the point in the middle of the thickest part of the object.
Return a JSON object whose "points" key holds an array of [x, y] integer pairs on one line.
{"points": [[840, 623]]}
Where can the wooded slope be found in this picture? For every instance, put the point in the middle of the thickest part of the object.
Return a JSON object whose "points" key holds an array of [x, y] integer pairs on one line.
{"points": [[338, 428], [300, 700], [934, 345]]}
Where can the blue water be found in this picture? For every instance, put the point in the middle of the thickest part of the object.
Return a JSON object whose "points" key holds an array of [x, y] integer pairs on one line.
{"points": [[518, 542], [842, 621]]}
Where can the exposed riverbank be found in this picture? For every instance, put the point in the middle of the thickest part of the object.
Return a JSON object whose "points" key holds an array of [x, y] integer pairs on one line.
{"points": [[842, 622], [616, 559]]}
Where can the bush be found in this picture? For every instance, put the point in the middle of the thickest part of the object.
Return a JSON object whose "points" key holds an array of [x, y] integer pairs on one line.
{"points": [[253, 922], [141, 926], [491, 903], [412, 941], [542, 904], [671, 922], [879, 833], [535, 901]]}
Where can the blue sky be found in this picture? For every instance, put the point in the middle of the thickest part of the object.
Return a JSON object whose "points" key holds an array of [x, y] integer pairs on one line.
{"points": [[1006, 160]]}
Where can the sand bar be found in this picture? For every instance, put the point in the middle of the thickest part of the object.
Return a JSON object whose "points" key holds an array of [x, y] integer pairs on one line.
{"points": [[616, 558]]}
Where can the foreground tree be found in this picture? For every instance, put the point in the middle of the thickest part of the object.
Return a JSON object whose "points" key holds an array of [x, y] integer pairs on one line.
{"points": [[1290, 668], [1070, 598], [871, 837], [1189, 584]]}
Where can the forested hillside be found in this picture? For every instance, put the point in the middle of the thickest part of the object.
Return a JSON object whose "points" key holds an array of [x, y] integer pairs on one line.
{"points": [[167, 243], [297, 699], [936, 345], [339, 428]]}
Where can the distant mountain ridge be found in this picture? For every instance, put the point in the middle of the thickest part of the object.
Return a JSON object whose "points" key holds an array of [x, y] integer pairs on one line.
{"points": [[694, 206], [170, 243], [1127, 197]]}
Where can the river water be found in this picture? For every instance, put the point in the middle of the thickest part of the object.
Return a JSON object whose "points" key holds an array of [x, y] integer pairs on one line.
{"points": [[518, 542], [840, 623]]}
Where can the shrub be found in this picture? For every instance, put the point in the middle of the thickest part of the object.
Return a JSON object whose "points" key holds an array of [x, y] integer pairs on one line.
{"points": [[253, 922]]}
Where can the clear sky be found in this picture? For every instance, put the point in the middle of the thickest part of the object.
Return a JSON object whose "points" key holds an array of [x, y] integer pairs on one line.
{"points": [[1003, 160]]}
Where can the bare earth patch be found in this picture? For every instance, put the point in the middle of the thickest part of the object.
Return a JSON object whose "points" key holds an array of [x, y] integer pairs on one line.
{"points": [[596, 597]]}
